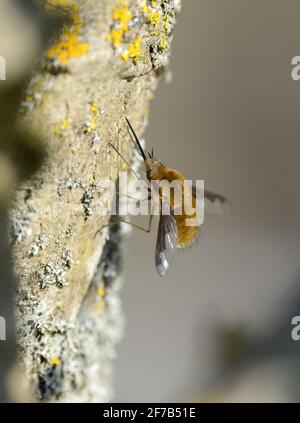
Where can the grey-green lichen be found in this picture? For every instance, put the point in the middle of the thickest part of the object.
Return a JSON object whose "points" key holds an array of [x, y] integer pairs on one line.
{"points": [[68, 184], [37, 245], [55, 273], [88, 199], [20, 225], [70, 358]]}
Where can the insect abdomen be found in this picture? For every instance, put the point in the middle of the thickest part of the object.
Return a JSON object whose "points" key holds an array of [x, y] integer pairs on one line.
{"points": [[186, 234]]}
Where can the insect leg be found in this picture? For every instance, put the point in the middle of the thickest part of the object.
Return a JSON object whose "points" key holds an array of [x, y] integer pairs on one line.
{"points": [[121, 220], [148, 229], [124, 160]]}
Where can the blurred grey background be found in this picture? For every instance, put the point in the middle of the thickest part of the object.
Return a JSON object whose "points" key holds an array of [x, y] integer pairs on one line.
{"points": [[217, 327]]}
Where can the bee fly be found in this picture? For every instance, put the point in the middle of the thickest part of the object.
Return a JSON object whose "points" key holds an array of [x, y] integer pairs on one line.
{"points": [[173, 232]]}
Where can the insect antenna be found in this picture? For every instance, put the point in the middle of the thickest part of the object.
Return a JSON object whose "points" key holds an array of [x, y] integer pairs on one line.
{"points": [[137, 140], [150, 155]]}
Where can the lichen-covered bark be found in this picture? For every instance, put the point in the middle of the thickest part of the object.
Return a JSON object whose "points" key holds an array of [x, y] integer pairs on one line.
{"points": [[104, 65]]}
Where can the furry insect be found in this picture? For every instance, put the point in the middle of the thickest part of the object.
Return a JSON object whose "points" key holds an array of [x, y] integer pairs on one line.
{"points": [[173, 232]]}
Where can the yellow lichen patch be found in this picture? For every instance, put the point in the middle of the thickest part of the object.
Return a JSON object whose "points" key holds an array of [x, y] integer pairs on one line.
{"points": [[101, 292], [55, 361], [94, 108], [154, 18], [154, 3], [121, 16], [125, 56], [167, 23], [92, 126], [116, 36], [58, 129], [164, 42], [69, 46], [124, 166], [92, 121], [61, 3], [100, 303], [134, 50]]}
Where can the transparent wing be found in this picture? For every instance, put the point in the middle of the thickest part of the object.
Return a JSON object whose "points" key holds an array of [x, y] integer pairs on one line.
{"points": [[166, 242], [214, 203]]}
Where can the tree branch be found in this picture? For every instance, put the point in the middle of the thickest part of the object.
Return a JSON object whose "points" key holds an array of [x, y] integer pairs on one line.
{"points": [[104, 65]]}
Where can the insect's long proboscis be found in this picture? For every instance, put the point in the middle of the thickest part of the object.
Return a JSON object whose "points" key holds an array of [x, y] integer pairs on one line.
{"points": [[137, 140]]}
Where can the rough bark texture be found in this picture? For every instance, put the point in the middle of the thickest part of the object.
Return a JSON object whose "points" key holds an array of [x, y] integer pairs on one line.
{"points": [[104, 65]]}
